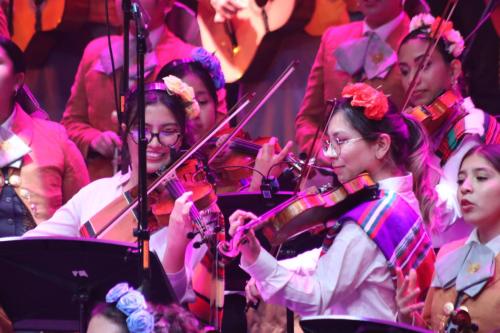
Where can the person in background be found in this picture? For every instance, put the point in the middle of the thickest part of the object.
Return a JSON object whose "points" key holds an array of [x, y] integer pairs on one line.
{"points": [[202, 71], [466, 275], [363, 51], [41, 169], [89, 117], [126, 311], [452, 121]]}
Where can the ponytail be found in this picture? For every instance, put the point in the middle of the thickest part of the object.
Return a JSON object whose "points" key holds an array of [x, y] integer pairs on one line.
{"points": [[425, 175]]}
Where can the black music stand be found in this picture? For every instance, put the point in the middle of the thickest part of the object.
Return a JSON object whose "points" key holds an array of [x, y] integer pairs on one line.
{"points": [[49, 283], [348, 324]]}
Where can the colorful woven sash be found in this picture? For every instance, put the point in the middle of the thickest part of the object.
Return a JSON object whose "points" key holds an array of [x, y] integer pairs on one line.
{"points": [[459, 130], [397, 230]]}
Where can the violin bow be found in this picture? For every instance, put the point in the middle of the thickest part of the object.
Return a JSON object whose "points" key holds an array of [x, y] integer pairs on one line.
{"points": [[170, 171], [279, 81], [447, 12], [314, 148]]}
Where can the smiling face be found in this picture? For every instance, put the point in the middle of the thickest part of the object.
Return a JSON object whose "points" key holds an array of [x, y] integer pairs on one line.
{"points": [[479, 192], [434, 79], [159, 119]]}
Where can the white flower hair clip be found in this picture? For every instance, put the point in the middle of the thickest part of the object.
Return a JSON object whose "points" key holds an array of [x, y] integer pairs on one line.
{"points": [[176, 86], [452, 38]]}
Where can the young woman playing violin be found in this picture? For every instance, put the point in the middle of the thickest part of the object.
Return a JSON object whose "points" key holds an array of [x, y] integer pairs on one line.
{"points": [[203, 72], [467, 271], [454, 124], [167, 107], [352, 274]]}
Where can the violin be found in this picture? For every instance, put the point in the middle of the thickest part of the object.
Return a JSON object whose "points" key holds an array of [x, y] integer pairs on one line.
{"points": [[189, 177], [238, 165], [434, 115], [304, 211], [117, 220]]}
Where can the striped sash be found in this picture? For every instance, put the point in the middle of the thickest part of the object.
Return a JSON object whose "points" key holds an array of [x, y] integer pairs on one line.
{"points": [[399, 233], [459, 130]]}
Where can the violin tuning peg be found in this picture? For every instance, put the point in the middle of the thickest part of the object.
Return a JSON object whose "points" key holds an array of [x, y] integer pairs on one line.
{"points": [[191, 235], [197, 245]]}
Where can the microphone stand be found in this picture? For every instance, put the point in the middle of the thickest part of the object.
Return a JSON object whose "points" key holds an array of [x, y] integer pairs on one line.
{"points": [[142, 232], [127, 16]]}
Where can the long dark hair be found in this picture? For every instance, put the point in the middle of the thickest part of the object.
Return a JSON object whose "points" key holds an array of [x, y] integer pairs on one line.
{"points": [[14, 53], [410, 148], [182, 68], [490, 152]]}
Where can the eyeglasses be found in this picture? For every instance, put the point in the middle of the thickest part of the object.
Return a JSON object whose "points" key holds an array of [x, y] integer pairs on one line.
{"points": [[334, 146], [165, 138]]}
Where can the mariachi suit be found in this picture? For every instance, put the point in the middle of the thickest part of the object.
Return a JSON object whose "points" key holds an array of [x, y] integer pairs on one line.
{"points": [[326, 81], [90, 106], [483, 308], [49, 175], [52, 172]]}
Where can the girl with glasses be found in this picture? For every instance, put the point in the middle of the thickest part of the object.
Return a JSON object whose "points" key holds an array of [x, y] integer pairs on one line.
{"points": [[168, 106], [203, 72], [352, 274]]}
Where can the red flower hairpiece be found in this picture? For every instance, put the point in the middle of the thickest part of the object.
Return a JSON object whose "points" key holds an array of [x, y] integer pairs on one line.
{"points": [[373, 101], [446, 26]]}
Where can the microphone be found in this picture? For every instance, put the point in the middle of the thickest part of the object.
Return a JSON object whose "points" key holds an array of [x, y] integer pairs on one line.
{"points": [[140, 16]]}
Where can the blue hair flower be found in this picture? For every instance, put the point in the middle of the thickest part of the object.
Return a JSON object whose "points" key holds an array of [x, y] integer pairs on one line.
{"points": [[211, 64], [131, 302], [141, 321], [117, 291]]}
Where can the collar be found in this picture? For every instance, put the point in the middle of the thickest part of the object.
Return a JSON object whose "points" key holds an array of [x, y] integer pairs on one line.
{"points": [[7, 124], [155, 36], [399, 184], [120, 179], [386, 29], [493, 245], [16, 134]]}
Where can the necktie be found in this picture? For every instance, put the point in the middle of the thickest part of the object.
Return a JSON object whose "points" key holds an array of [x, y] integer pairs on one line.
{"points": [[367, 57], [468, 269]]}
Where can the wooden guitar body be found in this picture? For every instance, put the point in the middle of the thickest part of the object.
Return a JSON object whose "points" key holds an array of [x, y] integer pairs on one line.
{"points": [[33, 19], [235, 42]]}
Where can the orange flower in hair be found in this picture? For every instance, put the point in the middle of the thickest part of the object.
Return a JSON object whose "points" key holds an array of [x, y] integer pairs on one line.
{"points": [[373, 101]]}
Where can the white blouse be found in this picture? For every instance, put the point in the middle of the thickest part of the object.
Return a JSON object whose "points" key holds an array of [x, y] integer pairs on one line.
{"points": [[92, 198], [351, 278]]}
